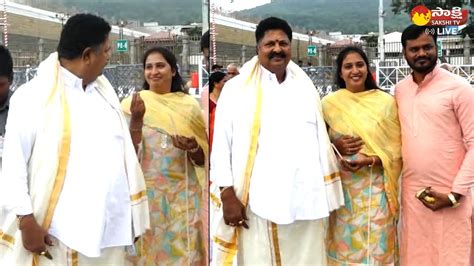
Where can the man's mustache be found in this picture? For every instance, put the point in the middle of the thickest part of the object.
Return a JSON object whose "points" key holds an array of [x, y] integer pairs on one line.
{"points": [[422, 58], [280, 55]]}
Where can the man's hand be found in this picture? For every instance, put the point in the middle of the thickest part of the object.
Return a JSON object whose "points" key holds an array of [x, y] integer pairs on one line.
{"points": [[34, 237], [355, 165], [234, 210], [441, 200], [348, 145], [137, 107]]}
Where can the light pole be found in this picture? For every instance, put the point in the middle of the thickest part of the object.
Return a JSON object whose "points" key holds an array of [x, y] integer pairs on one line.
{"points": [[310, 34], [205, 15], [212, 31], [62, 17], [169, 29], [380, 41], [121, 24], [4, 23]]}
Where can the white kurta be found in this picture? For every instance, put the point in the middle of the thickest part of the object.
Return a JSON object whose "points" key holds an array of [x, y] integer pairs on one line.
{"points": [[93, 210], [287, 194], [287, 183]]}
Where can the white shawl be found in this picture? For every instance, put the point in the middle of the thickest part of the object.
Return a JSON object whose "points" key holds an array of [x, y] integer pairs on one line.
{"points": [[224, 236], [48, 162]]}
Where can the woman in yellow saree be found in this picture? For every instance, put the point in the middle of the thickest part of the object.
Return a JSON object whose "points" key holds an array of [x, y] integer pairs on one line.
{"points": [[363, 123], [168, 129]]}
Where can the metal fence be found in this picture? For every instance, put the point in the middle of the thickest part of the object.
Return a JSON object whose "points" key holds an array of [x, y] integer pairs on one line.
{"points": [[30, 51], [124, 78], [386, 76], [128, 78], [323, 79], [455, 51], [233, 53], [124, 71], [389, 76], [22, 75]]}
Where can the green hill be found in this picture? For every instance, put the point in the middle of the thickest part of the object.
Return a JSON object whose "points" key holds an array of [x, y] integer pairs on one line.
{"points": [[348, 16], [166, 12]]}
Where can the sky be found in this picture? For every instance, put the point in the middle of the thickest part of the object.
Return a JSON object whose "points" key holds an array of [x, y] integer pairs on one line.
{"points": [[237, 5]]}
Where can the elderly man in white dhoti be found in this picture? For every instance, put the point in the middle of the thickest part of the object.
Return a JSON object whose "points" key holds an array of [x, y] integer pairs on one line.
{"points": [[272, 161], [71, 181]]}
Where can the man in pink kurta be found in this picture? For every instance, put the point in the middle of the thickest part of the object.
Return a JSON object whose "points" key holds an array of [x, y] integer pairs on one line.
{"points": [[436, 111]]}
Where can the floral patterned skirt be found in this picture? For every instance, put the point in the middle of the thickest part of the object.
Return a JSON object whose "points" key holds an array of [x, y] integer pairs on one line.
{"points": [[363, 232], [175, 200]]}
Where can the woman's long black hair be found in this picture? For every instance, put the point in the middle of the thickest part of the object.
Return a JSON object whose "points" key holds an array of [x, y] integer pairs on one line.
{"points": [[369, 80], [215, 77]]}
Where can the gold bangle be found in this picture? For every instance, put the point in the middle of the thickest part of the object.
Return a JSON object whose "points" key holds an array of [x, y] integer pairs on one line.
{"points": [[373, 162], [194, 150], [135, 129]]}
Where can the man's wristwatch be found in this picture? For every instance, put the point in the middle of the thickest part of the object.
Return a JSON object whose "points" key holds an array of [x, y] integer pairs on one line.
{"points": [[453, 200]]}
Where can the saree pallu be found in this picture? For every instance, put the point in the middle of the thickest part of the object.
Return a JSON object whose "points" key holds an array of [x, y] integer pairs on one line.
{"points": [[175, 186], [364, 230]]}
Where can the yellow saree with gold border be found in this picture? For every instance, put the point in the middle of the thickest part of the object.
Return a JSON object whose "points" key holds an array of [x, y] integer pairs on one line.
{"points": [[364, 231], [373, 116], [175, 185], [177, 114]]}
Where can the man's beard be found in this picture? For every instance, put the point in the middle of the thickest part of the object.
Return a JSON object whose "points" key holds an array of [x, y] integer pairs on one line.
{"points": [[427, 67]]}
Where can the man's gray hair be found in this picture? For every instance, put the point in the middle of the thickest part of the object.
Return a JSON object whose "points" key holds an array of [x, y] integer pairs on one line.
{"points": [[233, 65]]}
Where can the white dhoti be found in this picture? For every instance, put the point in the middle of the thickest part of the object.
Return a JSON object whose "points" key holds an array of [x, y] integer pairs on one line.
{"points": [[62, 255], [266, 243]]}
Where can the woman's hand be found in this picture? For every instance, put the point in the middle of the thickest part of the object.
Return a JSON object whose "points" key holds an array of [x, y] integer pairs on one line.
{"points": [[185, 143], [348, 145], [355, 165], [137, 107], [190, 145]]}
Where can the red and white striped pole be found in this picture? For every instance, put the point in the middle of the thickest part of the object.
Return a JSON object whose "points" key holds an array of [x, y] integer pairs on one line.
{"points": [[213, 35]]}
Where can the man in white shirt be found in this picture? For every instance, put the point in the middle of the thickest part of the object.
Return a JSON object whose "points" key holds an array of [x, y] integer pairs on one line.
{"points": [[272, 161], [71, 181], [232, 70]]}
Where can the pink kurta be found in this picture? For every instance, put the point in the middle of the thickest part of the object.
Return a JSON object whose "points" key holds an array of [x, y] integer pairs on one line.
{"points": [[437, 122]]}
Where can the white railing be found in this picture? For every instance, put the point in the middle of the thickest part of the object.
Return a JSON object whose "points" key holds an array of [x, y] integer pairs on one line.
{"points": [[388, 76]]}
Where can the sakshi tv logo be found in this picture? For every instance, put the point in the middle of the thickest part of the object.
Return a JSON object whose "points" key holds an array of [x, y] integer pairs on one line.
{"points": [[422, 16]]}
